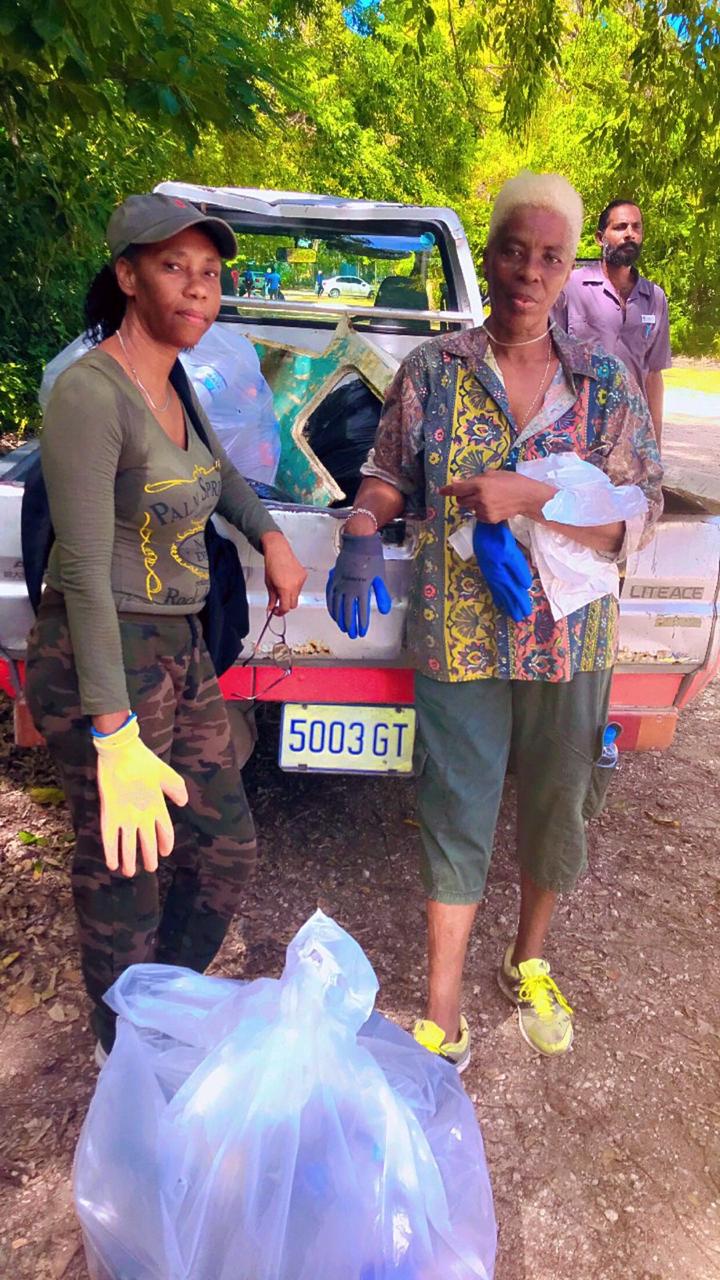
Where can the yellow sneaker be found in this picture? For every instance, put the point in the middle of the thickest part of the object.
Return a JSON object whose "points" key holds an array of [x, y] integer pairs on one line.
{"points": [[432, 1038], [544, 1015]]}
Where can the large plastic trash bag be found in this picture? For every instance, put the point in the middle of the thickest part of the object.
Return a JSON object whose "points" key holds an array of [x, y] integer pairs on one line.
{"points": [[59, 363], [225, 372], [278, 1130]]}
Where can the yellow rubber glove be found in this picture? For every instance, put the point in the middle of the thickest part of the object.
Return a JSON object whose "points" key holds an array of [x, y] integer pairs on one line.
{"points": [[131, 781]]}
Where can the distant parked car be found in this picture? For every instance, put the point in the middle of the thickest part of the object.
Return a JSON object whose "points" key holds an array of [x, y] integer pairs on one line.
{"points": [[335, 285]]}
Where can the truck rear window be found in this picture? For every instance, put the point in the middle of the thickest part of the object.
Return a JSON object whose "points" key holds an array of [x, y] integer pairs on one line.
{"points": [[371, 272]]}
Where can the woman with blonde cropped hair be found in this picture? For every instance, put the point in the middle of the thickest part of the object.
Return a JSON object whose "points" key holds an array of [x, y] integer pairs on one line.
{"points": [[496, 668]]}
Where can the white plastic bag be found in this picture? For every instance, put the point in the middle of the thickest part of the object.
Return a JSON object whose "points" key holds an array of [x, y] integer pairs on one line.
{"points": [[59, 363], [585, 494], [278, 1130], [225, 372], [573, 575]]}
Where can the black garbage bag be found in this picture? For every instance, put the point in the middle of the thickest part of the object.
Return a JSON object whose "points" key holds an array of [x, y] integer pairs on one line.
{"points": [[341, 432]]}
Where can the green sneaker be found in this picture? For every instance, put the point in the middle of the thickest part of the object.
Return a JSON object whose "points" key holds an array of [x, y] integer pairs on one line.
{"points": [[544, 1015], [432, 1038]]}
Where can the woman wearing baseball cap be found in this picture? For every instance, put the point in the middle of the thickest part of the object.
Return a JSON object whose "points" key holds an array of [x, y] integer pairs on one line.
{"points": [[119, 680]]}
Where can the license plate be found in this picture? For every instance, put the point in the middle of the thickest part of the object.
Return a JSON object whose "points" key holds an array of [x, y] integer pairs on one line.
{"points": [[347, 739]]}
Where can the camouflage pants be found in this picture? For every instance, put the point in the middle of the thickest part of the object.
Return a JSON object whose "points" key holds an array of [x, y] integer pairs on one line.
{"points": [[182, 717]]}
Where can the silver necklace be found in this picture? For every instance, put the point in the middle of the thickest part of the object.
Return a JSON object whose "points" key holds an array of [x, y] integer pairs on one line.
{"points": [[527, 341], [156, 408], [538, 393]]}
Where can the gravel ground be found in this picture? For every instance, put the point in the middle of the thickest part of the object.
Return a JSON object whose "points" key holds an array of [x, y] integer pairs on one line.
{"points": [[605, 1163]]}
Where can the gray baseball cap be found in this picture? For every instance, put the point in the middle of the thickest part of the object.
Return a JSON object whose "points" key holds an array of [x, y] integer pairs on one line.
{"points": [[148, 219]]}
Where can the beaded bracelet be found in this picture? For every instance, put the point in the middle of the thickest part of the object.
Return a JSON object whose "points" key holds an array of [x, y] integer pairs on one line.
{"points": [[363, 511]]}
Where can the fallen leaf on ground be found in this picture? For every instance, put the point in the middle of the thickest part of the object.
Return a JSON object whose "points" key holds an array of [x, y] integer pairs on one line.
{"points": [[661, 820], [57, 1013], [46, 795], [9, 959], [29, 837], [22, 1000], [50, 985], [41, 1129]]}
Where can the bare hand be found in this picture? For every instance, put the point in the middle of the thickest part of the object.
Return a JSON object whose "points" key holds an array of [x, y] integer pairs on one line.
{"points": [[284, 575], [499, 495]]}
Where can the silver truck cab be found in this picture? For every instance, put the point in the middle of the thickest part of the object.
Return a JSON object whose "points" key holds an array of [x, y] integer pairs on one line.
{"points": [[418, 279]]}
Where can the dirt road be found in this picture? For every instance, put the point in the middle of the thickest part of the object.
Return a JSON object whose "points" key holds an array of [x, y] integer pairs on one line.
{"points": [[691, 429], [605, 1164]]}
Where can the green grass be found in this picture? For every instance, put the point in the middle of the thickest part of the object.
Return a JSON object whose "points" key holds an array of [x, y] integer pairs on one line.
{"points": [[694, 379]]}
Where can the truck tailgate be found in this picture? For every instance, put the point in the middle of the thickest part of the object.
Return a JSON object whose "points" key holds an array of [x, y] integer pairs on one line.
{"points": [[311, 633]]}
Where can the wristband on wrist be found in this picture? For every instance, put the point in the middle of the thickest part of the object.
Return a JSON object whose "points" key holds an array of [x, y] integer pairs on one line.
{"points": [[97, 734], [363, 511]]}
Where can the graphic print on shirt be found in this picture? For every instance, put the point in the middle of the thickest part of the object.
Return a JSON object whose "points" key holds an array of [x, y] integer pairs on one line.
{"points": [[161, 486], [153, 585], [187, 546], [194, 550], [480, 442]]}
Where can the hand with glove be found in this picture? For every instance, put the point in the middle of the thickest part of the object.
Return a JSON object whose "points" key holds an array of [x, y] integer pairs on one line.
{"points": [[133, 782], [505, 569], [359, 573]]}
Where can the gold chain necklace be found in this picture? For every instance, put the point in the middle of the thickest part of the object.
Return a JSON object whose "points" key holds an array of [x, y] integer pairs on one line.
{"points": [[538, 393], [156, 408], [527, 342]]}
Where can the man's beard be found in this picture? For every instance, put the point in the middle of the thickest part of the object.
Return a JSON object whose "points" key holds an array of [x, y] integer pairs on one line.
{"points": [[623, 255]]}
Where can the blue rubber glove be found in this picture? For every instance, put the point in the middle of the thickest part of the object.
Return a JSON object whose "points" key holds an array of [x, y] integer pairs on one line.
{"points": [[505, 569], [359, 572]]}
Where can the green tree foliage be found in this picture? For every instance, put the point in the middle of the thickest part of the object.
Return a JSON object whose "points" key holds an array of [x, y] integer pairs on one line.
{"points": [[70, 60], [422, 101], [569, 132], [95, 99]]}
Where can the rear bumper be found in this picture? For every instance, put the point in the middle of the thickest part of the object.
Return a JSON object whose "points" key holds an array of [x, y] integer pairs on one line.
{"points": [[645, 703]]}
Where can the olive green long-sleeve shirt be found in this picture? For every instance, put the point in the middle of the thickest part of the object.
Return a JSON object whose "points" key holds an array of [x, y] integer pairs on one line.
{"points": [[129, 510]]}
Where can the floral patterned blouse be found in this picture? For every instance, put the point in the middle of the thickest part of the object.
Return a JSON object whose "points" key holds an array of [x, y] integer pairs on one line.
{"points": [[446, 417]]}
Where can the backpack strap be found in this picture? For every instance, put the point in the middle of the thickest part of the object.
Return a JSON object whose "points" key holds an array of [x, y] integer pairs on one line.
{"points": [[179, 380], [36, 532]]}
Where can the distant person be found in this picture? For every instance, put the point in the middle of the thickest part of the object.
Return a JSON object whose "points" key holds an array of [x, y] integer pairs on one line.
{"points": [[235, 275], [227, 282], [248, 282], [266, 282], [626, 313], [273, 285], [319, 282]]}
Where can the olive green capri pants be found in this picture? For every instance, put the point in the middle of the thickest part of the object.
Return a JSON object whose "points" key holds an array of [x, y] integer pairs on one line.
{"points": [[465, 733]]}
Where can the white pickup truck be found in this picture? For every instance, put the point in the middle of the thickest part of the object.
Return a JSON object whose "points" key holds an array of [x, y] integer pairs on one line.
{"points": [[400, 274]]}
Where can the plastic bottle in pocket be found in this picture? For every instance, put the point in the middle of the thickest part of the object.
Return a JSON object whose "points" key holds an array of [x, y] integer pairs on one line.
{"points": [[602, 771], [610, 753]]}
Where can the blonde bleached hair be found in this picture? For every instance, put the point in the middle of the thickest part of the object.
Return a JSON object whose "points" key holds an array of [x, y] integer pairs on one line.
{"points": [[539, 191]]}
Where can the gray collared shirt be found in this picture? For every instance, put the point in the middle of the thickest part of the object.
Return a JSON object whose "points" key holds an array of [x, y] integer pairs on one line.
{"points": [[638, 334]]}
